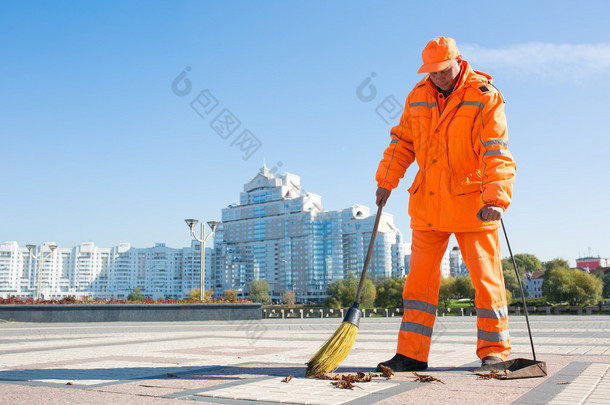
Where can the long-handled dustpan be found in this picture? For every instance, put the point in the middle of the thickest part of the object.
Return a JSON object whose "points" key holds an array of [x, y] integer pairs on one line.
{"points": [[517, 368]]}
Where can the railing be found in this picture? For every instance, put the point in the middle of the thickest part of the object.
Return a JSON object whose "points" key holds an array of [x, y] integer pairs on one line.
{"points": [[298, 313]]}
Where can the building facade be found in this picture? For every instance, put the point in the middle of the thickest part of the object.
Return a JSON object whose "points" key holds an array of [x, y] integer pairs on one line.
{"points": [[533, 283], [91, 271], [277, 232], [457, 267], [281, 234], [591, 263]]}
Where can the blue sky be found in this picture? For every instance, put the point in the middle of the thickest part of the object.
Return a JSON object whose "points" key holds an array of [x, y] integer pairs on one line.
{"points": [[97, 147]]}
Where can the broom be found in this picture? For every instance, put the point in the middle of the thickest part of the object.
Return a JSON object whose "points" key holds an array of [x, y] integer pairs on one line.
{"points": [[336, 349]]}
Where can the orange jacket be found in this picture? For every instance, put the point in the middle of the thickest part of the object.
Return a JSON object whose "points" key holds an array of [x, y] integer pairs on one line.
{"points": [[461, 147]]}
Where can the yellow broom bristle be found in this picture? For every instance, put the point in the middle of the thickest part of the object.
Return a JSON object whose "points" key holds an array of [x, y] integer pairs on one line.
{"points": [[334, 351]]}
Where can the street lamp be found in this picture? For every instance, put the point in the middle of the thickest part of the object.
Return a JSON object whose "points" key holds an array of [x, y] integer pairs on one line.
{"points": [[40, 259], [202, 241]]}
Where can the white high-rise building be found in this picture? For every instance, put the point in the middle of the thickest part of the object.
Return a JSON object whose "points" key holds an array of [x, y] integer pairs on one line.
{"points": [[281, 234], [87, 270], [15, 274], [446, 264], [277, 232], [401, 255], [456, 263]]}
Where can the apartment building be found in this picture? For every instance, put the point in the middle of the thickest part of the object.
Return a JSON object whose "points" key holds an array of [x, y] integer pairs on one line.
{"points": [[91, 271], [533, 283], [457, 267], [277, 232], [280, 233]]}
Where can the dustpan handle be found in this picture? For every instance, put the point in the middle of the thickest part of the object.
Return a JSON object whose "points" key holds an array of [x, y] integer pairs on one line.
{"points": [[369, 253], [520, 289]]}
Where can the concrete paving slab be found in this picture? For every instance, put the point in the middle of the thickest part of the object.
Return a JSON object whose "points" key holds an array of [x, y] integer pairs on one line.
{"points": [[244, 362]]}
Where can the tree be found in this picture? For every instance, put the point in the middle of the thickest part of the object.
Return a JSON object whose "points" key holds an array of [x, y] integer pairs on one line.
{"points": [[605, 278], [289, 298], [447, 290], [556, 263], [509, 297], [554, 283], [510, 279], [230, 295], [341, 293], [135, 295], [389, 293], [259, 291], [464, 288], [576, 287], [587, 288], [195, 294], [526, 262]]}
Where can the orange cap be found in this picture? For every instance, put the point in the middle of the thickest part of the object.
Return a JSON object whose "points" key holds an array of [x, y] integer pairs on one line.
{"points": [[437, 54]]}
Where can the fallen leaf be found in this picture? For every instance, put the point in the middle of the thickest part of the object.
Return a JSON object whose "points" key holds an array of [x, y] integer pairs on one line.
{"points": [[491, 374], [325, 376], [170, 375], [359, 377], [287, 379], [426, 378], [386, 371], [364, 378], [344, 384]]}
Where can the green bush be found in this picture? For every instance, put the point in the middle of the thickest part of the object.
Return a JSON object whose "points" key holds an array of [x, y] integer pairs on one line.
{"points": [[341, 293], [389, 293], [259, 291], [136, 295]]}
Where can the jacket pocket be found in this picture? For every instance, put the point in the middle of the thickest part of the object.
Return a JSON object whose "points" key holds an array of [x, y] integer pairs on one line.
{"points": [[466, 183], [416, 183]]}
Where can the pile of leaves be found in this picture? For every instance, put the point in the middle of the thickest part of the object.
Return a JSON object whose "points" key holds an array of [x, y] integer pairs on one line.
{"points": [[493, 374], [347, 380], [88, 300]]}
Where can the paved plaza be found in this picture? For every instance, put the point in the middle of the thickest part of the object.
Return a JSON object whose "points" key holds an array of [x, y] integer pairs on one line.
{"points": [[244, 362]]}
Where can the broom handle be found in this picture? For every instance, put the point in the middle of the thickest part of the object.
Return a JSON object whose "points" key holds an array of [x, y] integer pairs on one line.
{"points": [[369, 253], [520, 289]]}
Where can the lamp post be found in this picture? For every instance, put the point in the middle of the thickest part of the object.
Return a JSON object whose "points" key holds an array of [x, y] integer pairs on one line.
{"points": [[202, 241], [40, 259]]}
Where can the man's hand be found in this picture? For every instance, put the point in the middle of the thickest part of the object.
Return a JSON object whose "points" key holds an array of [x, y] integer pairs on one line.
{"points": [[382, 196], [490, 213]]}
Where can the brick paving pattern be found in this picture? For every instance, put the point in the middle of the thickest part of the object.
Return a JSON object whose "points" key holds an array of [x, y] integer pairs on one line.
{"points": [[245, 362]]}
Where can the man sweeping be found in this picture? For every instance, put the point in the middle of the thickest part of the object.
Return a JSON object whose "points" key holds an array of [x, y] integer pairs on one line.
{"points": [[453, 124]]}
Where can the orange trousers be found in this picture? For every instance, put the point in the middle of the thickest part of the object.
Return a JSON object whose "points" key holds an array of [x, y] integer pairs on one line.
{"points": [[481, 253]]}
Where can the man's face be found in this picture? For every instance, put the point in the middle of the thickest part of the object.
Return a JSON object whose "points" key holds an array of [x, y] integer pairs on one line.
{"points": [[446, 79]]}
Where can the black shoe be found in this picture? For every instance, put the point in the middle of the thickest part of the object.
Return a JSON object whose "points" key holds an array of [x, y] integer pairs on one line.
{"points": [[486, 361], [403, 363]]}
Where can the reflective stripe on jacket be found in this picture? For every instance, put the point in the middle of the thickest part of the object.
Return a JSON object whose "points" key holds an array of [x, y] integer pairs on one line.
{"points": [[461, 147]]}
